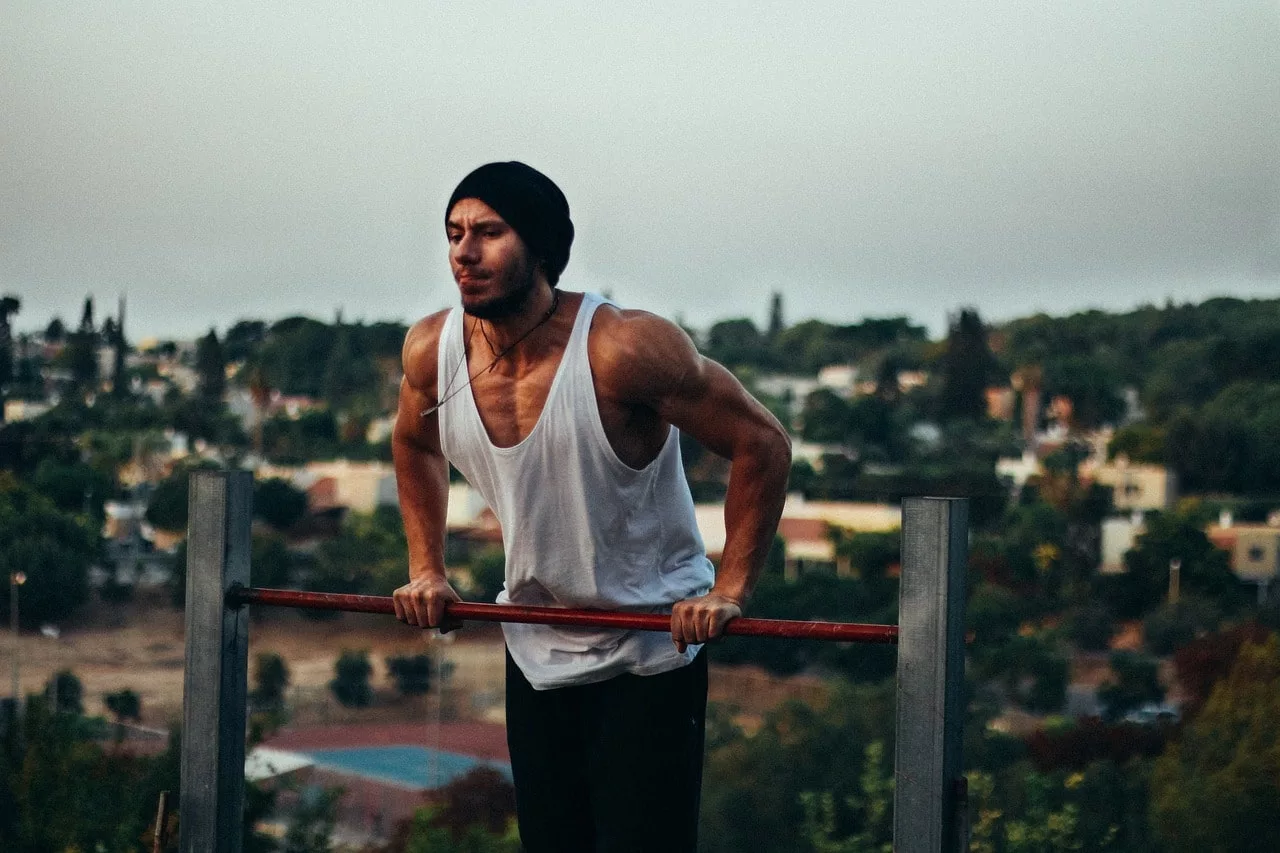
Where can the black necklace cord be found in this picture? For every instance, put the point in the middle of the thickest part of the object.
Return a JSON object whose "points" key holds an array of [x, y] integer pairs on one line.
{"points": [[449, 395]]}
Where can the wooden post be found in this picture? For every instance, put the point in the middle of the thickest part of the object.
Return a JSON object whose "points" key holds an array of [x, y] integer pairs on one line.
{"points": [[929, 810], [216, 678]]}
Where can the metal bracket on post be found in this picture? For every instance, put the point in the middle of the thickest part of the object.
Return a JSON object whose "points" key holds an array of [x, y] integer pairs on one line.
{"points": [[928, 779], [219, 541]]}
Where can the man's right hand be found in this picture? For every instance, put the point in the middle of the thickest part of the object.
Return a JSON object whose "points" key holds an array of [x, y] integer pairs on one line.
{"points": [[422, 601]]}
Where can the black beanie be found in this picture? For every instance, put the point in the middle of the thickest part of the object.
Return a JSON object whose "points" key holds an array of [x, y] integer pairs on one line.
{"points": [[530, 202]]}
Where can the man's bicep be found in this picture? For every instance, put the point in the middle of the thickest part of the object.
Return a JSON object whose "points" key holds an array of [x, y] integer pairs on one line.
{"points": [[712, 406], [413, 427]]}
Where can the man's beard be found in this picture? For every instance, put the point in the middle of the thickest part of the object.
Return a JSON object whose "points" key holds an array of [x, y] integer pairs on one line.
{"points": [[510, 303]]}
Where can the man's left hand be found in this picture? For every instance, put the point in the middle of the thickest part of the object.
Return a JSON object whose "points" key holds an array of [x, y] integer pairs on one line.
{"points": [[696, 620]]}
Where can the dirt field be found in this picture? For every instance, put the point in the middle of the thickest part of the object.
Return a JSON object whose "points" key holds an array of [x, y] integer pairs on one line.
{"points": [[140, 645]]}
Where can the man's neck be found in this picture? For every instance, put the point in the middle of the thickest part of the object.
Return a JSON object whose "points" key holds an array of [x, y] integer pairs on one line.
{"points": [[503, 333]]}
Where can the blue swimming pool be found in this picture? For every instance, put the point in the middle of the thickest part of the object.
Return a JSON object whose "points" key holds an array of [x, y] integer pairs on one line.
{"points": [[411, 766]]}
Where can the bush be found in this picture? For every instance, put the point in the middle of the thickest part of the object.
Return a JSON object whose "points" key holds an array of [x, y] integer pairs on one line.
{"points": [[272, 677], [412, 673], [66, 692], [351, 679], [124, 704]]}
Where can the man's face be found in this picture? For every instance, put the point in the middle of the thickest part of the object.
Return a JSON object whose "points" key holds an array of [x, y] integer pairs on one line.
{"points": [[490, 263]]}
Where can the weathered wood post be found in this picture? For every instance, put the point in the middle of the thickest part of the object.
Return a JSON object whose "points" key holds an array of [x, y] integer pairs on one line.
{"points": [[930, 799], [215, 684]]}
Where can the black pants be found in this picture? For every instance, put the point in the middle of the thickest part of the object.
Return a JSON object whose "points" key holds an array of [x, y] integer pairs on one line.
{"points": [[609, 767]]}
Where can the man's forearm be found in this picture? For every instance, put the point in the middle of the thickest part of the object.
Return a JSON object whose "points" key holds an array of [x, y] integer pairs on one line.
{"points": [[752, 508], [422, 482]]}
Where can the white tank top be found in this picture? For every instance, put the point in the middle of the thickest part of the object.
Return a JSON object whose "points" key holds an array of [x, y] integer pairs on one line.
{"points": [[580, 527]]}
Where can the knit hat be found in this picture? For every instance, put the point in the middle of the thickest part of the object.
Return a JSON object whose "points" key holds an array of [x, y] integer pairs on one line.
{"points": [[530, 203]]}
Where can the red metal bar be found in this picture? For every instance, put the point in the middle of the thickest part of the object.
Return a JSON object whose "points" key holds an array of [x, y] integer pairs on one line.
{"points": [[742, 626]]}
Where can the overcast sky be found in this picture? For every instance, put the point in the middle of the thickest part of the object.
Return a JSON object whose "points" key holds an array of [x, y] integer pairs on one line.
{"points": [[223, 160]]}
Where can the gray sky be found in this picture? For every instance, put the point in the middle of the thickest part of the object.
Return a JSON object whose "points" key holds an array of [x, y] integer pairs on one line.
{"points": [[224, 160]]}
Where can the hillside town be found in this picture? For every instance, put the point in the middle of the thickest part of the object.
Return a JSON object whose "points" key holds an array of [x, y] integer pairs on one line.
{"points": [[1121, 471]]}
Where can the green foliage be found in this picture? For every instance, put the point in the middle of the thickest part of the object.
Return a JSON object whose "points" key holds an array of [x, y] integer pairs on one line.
{"points": [[412, 673], [211, 367], [124, 705], [994, 614], [350, 684], [870, 808], [1136, 683], [368, 555], [271, 679], [968, 368], [1140, 442], [278, 503], [60, 791], [313, 821], [1031, 669], [1217, 789], [1171, 626], [753, 785], [53, 549], [1091, 627], [75, 487], [1205, 569]]}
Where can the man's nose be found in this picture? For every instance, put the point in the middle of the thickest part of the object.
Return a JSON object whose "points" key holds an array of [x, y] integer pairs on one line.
{"points": [[467, 249]]}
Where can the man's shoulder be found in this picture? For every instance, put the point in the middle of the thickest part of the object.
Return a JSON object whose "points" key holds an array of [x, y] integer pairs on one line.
{"points": [[421, 346], [632, 350]]}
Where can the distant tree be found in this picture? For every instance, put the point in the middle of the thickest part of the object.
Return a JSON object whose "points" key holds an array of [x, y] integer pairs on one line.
{"points": [[86, 316], [350, 684], [968, 367], [1140, 442], [167, 508], [53, 548], [349, 374], [736, 342], [1091, 627], [65, 692], [412, 673], [1171, 626], [56, 331], [9, 306], [243, 338], [994, 614], [1136, 683], [74, 487], [776, 324], [825, 417], [1205, 569], [278, 503], [1205, 661], [271, 679], [82, 357], [211, 367], [124, 705], [1218, 787]]}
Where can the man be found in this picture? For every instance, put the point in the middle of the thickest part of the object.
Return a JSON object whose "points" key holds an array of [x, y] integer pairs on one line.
{"points": [[564, 411]]}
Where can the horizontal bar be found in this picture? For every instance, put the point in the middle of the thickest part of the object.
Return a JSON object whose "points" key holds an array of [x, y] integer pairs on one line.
{"points": [[465, 610]]}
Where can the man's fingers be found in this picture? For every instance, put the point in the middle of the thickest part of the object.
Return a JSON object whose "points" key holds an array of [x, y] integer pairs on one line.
{"points": [[420, 612], [399, 608]]}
